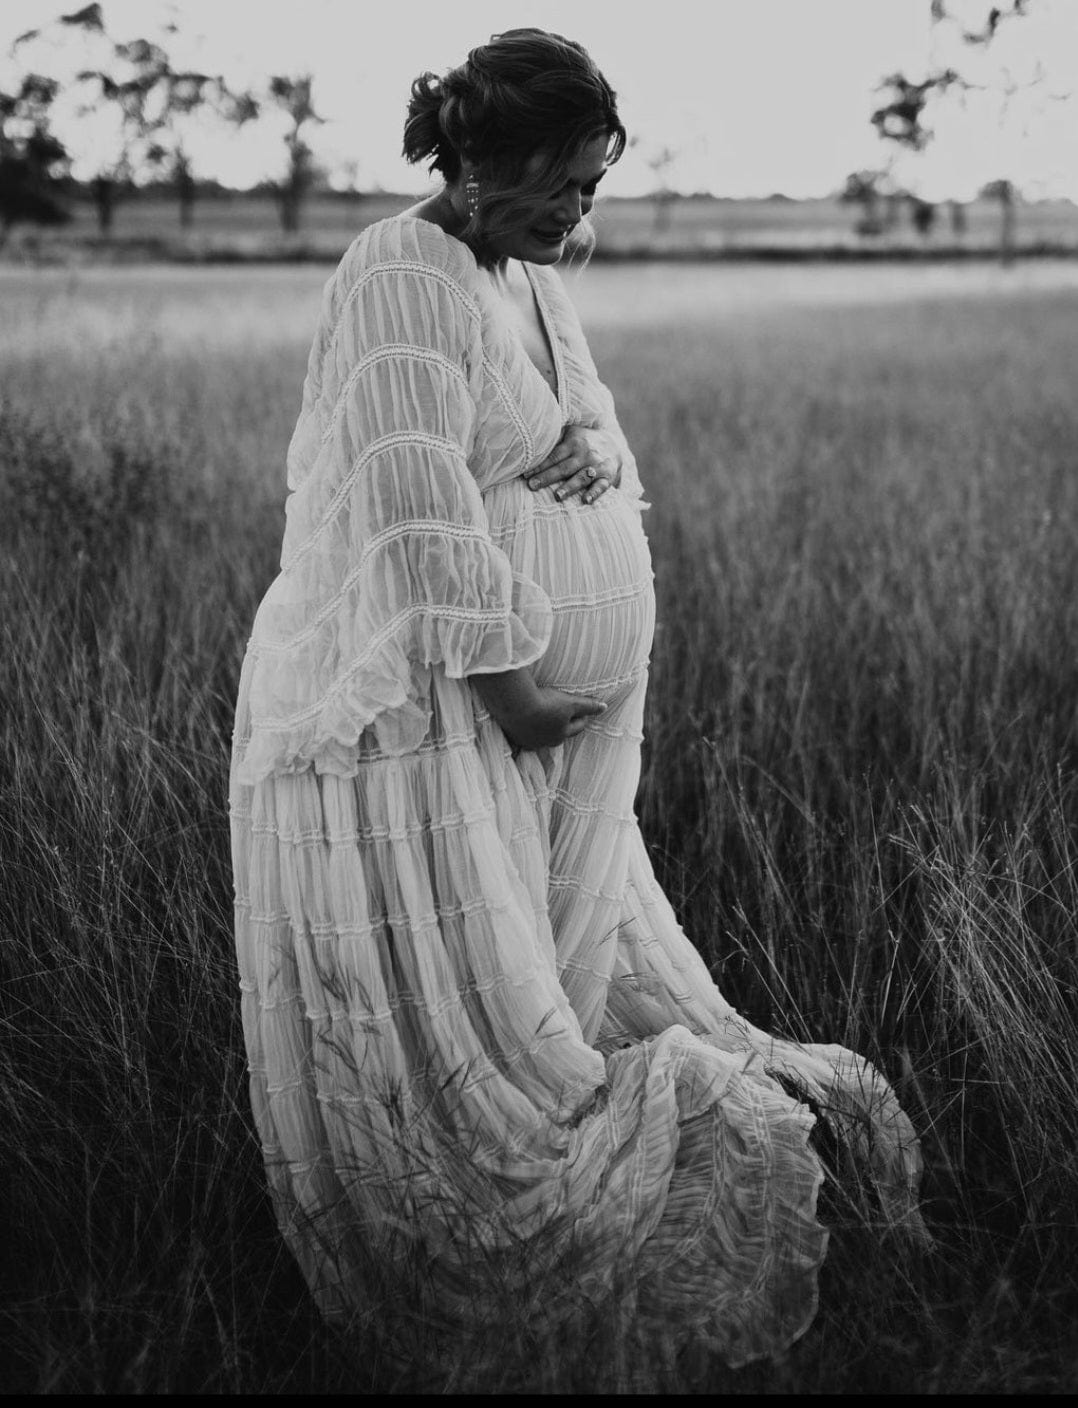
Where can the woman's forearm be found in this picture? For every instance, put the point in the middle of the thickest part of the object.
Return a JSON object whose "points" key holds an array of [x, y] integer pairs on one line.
{"points": [[509, 695], [531, 716]]}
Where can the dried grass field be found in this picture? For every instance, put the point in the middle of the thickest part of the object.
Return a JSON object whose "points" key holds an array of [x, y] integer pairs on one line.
{"points": [[860, 787]]}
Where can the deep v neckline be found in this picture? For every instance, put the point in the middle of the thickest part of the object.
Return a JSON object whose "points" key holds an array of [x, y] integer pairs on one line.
{"points": [[546, 327], [559, 392]]}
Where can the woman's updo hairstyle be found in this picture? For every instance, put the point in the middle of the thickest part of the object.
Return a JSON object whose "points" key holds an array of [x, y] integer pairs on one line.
{"points": [[525, 94]]}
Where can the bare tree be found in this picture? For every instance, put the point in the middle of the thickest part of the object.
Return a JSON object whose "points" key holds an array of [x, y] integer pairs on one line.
{"points": [[151, 101], [663, 195], [138, 71], [33, 162], [1003, 191], [293, 96], [922, 215], [183, 95], [866, 189], [994, 17], [902, 117]]}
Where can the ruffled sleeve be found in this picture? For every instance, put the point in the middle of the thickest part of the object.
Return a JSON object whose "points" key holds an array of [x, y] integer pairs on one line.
{"points": [[388, 568]]}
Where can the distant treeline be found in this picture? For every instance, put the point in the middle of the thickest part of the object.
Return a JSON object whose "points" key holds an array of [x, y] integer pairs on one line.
{"points": [[157, 106]]}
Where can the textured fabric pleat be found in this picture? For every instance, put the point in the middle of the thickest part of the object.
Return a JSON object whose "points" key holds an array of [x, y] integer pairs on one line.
{"points": [[474, 1027]]}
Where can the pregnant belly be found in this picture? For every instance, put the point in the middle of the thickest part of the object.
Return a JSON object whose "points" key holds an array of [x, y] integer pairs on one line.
{"points": [[593, 563]]}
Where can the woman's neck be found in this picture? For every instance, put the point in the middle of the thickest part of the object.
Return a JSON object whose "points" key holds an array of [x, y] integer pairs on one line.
{"points": [[501, 276], [447, 210]]}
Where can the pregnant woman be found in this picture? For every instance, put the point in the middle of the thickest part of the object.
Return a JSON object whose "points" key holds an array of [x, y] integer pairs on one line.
{"points": [[477, 1035]]}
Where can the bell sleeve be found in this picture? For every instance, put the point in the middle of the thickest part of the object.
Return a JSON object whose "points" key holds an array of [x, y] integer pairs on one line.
{"points": [[388, 570], [629, 485]]}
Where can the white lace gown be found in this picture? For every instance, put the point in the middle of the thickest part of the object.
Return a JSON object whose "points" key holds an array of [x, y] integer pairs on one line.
{"points": [[472, 1020]]}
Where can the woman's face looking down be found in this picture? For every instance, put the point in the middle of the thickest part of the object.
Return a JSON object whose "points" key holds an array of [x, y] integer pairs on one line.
{"points": [[542, 239]]}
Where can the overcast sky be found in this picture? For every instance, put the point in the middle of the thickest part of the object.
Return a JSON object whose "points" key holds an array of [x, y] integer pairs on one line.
{"points": [[755, 96]]}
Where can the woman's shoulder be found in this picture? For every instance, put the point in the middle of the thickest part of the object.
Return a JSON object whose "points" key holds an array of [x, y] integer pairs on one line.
{"points": [[404, 248]]}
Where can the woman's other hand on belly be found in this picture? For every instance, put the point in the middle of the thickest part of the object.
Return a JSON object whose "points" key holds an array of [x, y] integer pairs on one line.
{"points": [[585, 461], [534, 716]]}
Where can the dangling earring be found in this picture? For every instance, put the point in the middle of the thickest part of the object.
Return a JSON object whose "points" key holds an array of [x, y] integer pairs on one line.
{"points": [[471, 196]]}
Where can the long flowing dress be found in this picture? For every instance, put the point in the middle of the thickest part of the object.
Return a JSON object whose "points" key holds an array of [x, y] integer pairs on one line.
{"points": [[474, 1026]]}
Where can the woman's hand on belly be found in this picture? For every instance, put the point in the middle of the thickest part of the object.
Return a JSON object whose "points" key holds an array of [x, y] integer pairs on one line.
{"points": [[585, 461], [534, 716]]}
